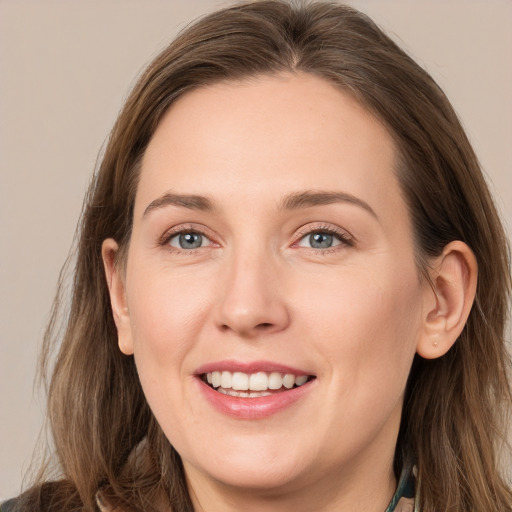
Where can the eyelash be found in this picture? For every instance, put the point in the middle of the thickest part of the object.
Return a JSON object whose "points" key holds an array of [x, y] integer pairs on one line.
{"points": [[345, 239], [183, 230]]}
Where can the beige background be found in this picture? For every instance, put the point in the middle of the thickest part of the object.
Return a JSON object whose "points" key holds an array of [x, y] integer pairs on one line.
{"points": [[65, 68]]}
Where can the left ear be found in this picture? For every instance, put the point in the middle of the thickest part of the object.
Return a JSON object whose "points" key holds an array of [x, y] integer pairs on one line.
{"points": [[448, 300]]}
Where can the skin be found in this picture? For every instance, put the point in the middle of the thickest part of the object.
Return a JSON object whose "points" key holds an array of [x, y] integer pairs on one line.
{"points": [[353, 314]]}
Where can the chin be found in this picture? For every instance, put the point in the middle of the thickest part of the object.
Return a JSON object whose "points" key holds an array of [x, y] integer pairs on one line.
{"points": [[256, 477], [259, 467]]}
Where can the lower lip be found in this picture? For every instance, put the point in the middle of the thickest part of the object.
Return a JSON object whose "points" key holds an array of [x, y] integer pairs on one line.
{"points": [[254, 408]]}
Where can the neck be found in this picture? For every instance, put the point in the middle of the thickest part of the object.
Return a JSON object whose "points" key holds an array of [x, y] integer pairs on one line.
{"points": [[360, 488]]}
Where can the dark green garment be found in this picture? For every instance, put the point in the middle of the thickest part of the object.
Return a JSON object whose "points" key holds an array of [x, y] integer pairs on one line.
{"points": [[405, 491]]}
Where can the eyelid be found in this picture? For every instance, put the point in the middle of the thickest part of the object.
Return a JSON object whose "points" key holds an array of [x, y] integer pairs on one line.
{"points": [[345, 238], [186, 228]]}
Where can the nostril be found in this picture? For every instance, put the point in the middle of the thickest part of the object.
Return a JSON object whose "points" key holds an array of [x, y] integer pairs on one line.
{"points": [[262, 327]]}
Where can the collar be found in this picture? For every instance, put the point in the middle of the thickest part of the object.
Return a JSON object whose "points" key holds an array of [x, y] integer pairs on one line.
{"points": [[403, 500]]}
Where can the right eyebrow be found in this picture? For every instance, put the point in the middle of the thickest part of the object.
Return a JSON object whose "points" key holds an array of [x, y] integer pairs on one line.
{"points": [[310, 198], [190, 201]]}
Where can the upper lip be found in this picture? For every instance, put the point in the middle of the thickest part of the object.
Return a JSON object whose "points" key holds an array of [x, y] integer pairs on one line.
{"points": [[250, 367]]}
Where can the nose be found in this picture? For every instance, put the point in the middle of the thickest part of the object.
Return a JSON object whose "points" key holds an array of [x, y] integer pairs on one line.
{"points": [[251, 301]]}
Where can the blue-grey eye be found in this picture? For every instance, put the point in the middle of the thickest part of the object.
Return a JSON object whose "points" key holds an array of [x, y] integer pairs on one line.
{"points": [[190, 240], [320, 240]]}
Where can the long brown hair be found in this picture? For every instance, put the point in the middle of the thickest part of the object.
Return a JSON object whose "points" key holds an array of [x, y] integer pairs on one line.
{"points": [[104, 434]]}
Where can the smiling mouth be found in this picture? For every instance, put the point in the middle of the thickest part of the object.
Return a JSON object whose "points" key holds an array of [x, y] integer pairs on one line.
{"points": [[253, 385]]}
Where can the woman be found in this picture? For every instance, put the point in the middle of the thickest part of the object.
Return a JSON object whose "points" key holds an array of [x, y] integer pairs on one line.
{"points": [[291, 285]]}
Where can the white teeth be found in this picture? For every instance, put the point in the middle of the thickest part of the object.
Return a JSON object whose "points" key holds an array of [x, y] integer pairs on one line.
{"points": [[239, 383], [289, 381], [225, 380], [302, 379], [258, 381], [275, 380], [243, 394], [215, 379]]}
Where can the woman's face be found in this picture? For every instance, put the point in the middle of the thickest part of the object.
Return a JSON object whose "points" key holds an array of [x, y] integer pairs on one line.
{"points": [[272, 248]]}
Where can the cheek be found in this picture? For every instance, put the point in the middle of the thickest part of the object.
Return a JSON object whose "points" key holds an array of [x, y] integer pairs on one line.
{"points": [[167, 316], [367, 325], [167, 313]]}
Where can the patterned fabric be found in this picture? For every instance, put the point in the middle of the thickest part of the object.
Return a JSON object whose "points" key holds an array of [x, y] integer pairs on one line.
{"points": [[101, 505], [403, 500], [405, 505]]}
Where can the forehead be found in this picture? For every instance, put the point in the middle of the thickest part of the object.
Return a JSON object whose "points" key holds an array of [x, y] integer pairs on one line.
{"points": [[265, 135]]}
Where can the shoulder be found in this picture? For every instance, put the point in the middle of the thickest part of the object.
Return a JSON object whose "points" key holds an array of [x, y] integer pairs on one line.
{"points": [[52, 496]]}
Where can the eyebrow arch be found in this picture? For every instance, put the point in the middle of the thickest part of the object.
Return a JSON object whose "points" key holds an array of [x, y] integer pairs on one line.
{"points": [[190, 201], [310, 198]]}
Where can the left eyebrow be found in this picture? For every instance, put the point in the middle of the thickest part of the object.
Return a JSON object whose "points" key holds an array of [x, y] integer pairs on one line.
{"points": [[190, 201], [310, 198]]}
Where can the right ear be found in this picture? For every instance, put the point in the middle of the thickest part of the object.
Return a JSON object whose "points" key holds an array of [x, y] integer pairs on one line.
{"points": [[116, 287]]}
